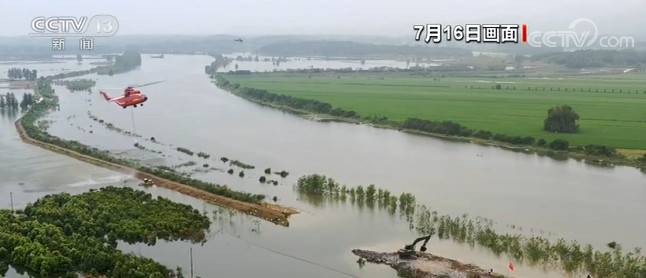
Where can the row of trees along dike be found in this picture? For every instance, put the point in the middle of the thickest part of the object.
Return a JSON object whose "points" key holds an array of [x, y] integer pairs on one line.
{"points": [[81, 84], [298, 104], [455, 129], [219, 62], [49, 101], [321, 186], [560, 119], [558, 89], [535, 250], [67, 236]]}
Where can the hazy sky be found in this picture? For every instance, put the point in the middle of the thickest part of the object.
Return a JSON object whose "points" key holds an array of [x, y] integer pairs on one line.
{"points": [[356, 17]]}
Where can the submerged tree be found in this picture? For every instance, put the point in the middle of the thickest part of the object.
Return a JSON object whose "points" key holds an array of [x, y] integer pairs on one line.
{"points": [[561, 119]]}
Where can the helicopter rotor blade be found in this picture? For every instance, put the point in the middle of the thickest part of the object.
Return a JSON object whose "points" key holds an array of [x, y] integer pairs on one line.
{"points": [[149, 83]]}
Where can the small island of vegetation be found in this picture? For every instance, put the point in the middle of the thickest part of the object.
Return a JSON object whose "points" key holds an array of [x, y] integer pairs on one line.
{"points": [[185, 150], [241, 164], [63, 235], [127, 61], [82, 84]]}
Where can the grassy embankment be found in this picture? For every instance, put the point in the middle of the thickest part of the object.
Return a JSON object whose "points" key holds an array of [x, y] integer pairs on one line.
{"points": [[611, 106]]}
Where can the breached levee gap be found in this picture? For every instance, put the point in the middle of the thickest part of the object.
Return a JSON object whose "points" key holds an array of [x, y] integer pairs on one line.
{"points": [[271, 212]]}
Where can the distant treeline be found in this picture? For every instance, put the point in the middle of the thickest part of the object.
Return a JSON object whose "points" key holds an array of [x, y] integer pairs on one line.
{"points": [[37, 48], [596, 58], [355, 49], [24, 73], [127, 61], [381, 69]]}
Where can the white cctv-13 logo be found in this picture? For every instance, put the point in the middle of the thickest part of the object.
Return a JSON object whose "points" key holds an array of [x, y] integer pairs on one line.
{"points": [[104, 25], [97, 26]]}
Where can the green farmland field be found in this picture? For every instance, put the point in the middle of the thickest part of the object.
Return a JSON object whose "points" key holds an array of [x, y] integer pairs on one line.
{"points": [[612, 107]]}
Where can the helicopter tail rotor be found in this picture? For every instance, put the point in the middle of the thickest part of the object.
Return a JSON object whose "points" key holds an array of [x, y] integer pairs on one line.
{"points": [[105, 95]]}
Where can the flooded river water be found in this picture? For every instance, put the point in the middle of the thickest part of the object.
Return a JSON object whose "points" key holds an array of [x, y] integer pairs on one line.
{"points": [[553, 198]]}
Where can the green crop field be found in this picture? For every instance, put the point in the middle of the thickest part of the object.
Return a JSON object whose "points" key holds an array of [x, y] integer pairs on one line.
{"points": [[612, 108]]}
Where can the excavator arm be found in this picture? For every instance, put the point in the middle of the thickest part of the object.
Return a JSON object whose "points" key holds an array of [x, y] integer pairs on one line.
{"points": [[412, 245], [408, 252]]}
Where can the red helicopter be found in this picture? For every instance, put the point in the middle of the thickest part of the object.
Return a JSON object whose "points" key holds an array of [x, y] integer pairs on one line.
{"points": [[131, 96]]}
